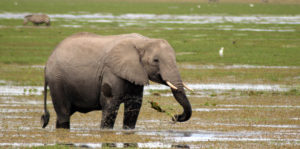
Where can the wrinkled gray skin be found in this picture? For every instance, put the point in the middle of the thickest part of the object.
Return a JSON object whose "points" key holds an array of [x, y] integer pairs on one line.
{"points": [[89, 72], [37, 19]]}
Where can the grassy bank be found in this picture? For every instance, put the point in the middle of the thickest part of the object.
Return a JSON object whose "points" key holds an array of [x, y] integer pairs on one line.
{"points": [[244, 43], [146, 6], [33, 45]]}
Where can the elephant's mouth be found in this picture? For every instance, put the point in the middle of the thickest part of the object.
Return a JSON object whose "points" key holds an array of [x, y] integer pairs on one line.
{"points": [[157, 79]]}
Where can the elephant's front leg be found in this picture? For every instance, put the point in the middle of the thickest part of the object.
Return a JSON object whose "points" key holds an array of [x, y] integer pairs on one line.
{"points": [[109, 113], [131, 112]]}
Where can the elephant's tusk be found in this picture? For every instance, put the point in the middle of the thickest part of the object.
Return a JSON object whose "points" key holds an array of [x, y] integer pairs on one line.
{"points": [[171, 85], [187, 87]]}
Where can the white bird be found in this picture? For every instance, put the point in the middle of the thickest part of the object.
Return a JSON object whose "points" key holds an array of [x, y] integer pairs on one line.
{"points": [[221, 51]]}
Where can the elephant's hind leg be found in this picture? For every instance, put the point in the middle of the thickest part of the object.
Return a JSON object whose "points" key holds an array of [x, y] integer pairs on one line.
{"points": [[61, 105], [109, 113], [110, 105]]}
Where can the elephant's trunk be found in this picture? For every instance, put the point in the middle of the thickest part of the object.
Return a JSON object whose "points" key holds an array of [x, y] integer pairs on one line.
{"points": [[181, 98], [171, 74]]}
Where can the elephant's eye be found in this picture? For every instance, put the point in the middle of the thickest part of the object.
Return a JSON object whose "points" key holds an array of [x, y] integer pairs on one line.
{"points": [[155, 60]]}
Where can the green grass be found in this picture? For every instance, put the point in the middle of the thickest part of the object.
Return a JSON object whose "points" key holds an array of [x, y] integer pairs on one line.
{"points": [[255, 76], [167, 7], [21, 74], [29, 45], [33, 45]]}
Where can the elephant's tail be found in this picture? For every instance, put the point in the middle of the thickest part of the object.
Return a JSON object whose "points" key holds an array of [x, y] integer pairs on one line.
{"points": [[46, 116]]}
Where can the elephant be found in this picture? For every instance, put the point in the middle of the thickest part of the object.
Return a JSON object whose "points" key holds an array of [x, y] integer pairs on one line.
{"points": [[37, 19], [88, 72]]}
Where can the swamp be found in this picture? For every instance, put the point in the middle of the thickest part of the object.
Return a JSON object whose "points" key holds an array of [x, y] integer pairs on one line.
{"points": [[247, 96]]}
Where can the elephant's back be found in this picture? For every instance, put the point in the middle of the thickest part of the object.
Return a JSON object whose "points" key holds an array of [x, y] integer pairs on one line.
{"points": [[87, 47], [85, 50], [79, 52]]}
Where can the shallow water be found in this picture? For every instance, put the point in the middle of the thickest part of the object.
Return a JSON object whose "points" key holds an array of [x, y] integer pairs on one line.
{"points": [[261, 106], [236, 67], [172, 139], [72, 26], [167, 18], [190, 66], [20, 127], [225, 86], [214, 109], [9, 90], [231, 28], [20, 90], [258, 125], [258, 30]]}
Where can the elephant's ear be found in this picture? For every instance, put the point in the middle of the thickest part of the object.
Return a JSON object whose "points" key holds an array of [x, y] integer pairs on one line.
{"points": [[124, 61]]}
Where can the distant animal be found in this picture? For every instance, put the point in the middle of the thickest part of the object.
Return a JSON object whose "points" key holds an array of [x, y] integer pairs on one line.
{"points": [[221, 51], [88, 72], [37, 19]]}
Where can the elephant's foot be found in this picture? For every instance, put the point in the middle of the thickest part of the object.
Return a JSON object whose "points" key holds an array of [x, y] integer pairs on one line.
{"points": [[109, 117], [131, 113], [108, 122], [64, 125]]}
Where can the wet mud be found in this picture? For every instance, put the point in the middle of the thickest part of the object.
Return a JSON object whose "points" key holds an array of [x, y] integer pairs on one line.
{"points": [[215, 122]]}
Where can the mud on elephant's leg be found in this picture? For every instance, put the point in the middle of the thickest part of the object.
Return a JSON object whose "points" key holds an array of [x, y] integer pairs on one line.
{"points": [[131, 112], [109, 113]]}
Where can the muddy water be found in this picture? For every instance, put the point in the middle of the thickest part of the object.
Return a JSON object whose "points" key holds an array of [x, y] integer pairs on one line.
{"points": [[20, 127], [20, 90], [20, 121]]}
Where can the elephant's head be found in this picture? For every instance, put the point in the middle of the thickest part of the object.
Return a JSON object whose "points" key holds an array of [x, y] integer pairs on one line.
{"points": [[26, 18], [144, 59]]}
